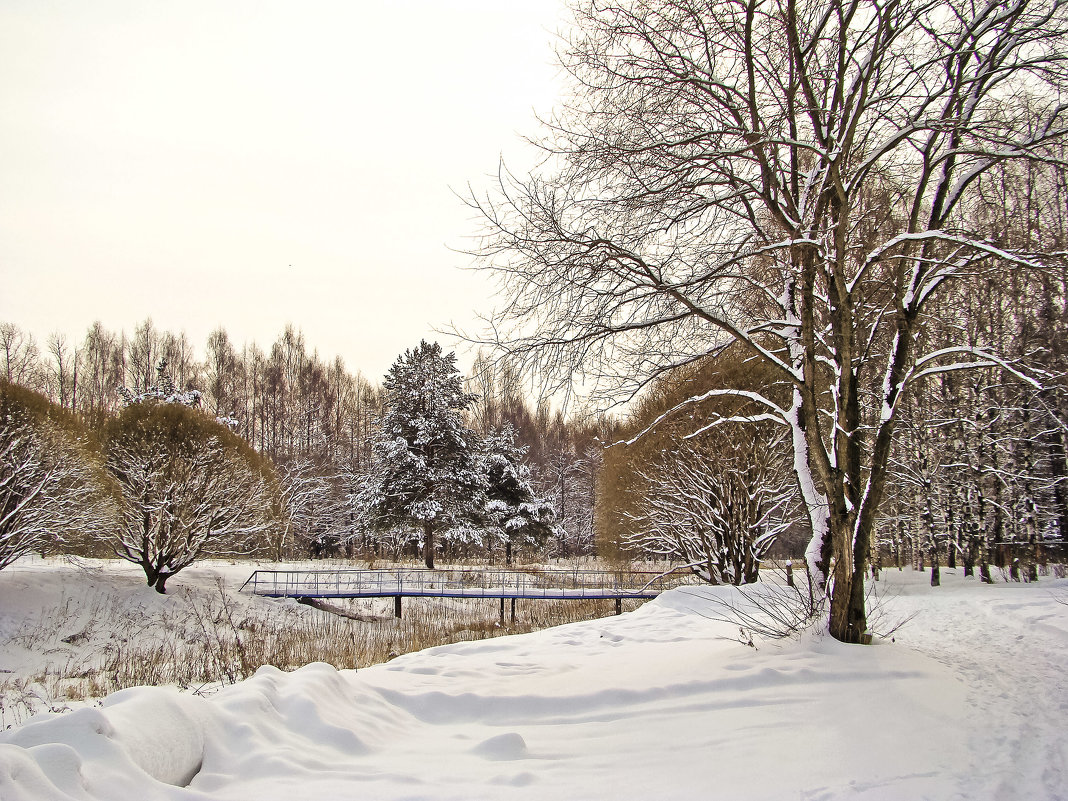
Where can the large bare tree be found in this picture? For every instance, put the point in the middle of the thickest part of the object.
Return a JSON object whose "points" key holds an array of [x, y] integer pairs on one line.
{"points": [[798, 176]]}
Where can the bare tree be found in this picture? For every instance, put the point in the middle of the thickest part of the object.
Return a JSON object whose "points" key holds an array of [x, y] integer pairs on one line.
{"points": [[793, 175], [189, 488], [718, 508], [102, 373], [144, 352], [221, 374], [19, 357], [308, 506], [50, 490], [64, 371]]}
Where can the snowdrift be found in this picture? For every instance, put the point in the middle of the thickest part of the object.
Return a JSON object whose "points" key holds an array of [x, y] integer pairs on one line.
{"points": [[665, 702]]}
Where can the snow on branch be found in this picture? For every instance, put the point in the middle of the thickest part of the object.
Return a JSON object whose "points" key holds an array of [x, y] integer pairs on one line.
{"points": [[777, 414]]}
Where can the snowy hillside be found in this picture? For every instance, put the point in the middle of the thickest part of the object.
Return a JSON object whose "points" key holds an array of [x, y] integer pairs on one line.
{"points": [[968, 702]]}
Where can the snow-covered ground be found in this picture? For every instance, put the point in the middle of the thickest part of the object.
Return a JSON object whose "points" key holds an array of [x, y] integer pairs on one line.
{"points": [[73, 631], [967, 702], [67, 628]]}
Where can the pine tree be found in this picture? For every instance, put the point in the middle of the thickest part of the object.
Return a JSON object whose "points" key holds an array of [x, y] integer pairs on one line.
{"points": [[513, 511], [163, 391], [426, 462]]}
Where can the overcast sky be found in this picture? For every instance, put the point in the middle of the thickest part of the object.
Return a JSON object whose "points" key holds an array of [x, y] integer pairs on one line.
{"points": [[250, 163]]}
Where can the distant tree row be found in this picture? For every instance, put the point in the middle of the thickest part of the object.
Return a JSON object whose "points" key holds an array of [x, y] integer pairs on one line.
{"points": [[981, 466], [286, 402], [979, 472], [312, 431]]}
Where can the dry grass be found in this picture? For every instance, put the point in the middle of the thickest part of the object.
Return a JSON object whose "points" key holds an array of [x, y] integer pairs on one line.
{"points": [[213, 639]]}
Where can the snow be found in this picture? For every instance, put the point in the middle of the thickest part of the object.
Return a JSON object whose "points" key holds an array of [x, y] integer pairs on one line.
{"points": [[966, 701]]}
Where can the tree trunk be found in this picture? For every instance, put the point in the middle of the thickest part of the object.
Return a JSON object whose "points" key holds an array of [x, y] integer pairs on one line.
{"points": [[1059, 472], [951, 534], [152, 572], [428, 543], [848, 618], [161, 582]]}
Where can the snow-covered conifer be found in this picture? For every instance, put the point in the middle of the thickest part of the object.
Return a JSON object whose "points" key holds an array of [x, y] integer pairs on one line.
{"points": [[426, 470], [513, 512], [164, 391]]}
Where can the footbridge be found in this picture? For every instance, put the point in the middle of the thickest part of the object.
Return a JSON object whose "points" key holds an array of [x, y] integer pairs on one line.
{"points": [[491, 583]]}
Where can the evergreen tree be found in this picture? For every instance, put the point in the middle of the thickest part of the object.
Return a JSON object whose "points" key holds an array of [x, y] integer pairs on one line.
{"points": [[426, 470], [513, 511], [163, 391]]}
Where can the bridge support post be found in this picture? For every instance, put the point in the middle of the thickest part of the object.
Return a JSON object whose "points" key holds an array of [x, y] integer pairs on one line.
{"points": [[502, 612], [513, 611], [397, 606], [619, 606]]}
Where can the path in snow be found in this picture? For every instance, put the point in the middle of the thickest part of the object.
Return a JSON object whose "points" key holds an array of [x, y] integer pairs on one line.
{"points": [[1010, 651]]}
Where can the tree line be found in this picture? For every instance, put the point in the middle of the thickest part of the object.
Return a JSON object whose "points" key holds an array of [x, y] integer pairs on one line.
{"points": [[980, 466], [286, 401], [288, 439]]}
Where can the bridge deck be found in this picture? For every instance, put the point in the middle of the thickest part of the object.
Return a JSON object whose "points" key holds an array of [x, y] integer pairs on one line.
{"points": [[460, 583]]}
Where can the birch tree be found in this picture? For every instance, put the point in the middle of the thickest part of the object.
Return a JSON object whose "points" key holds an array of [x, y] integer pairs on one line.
{"points": [[797, 176]]}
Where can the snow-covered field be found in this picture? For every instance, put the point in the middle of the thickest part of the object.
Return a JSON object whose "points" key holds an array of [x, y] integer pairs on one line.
{"points": [[967, 702], [73, 631]]}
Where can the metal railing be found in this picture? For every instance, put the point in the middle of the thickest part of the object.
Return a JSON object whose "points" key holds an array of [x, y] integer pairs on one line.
{"points": [[461, 583]]}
